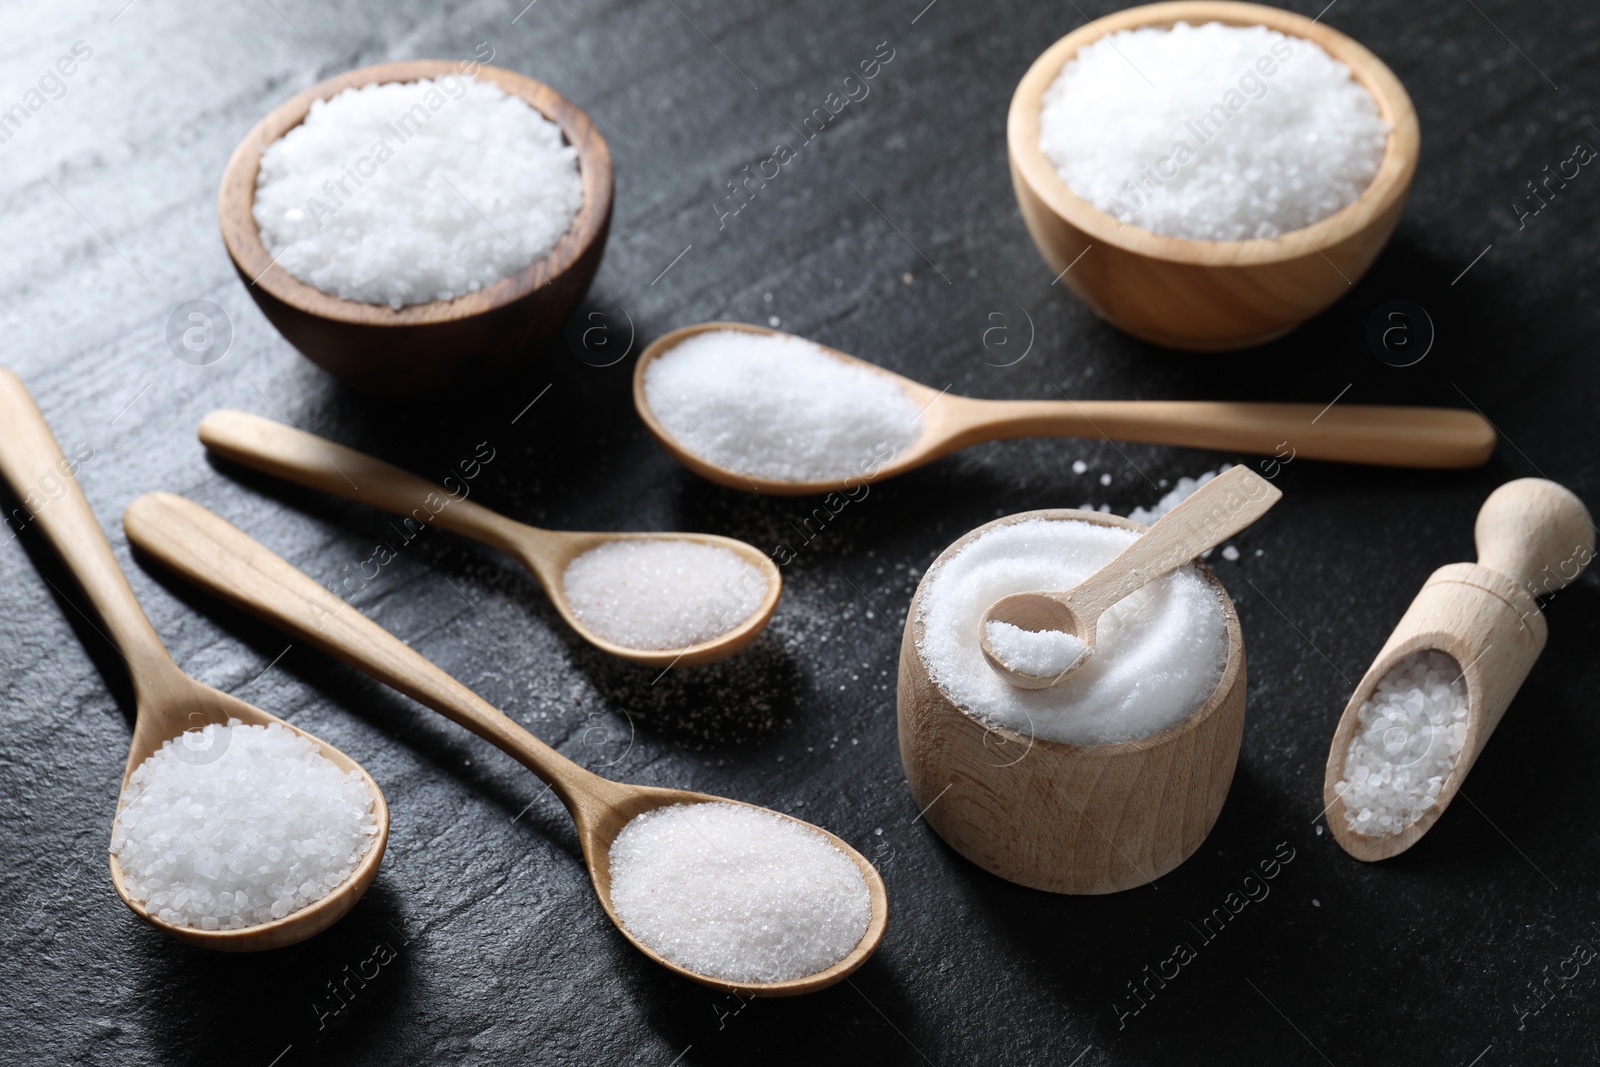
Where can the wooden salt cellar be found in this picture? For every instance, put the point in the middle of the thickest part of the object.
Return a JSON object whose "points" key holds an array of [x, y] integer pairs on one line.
{"points": [[1533, 538], [1068, 818]]}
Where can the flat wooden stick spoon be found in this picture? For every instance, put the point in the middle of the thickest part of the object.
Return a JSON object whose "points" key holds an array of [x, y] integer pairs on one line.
{"points": [[224, 560], [168, 703], [305, 459], [1213, 513], [1378, 435]]}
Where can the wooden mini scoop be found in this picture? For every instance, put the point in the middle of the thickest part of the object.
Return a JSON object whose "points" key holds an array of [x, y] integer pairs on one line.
{"points": [[305, 459], [1212, 514], [1533, 538], [223, 560], [168, 703], [1378, 435]]}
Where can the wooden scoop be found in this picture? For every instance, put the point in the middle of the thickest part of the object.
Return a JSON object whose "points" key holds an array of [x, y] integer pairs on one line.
{"points": [[305, 459], [168, 703], [1533, 538], [223, 560], [1381, 436], [1213, 513]]}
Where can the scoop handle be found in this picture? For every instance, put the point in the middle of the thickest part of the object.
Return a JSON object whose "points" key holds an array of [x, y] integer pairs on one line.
{"points": [[1213, 513], [1535, 532], [318, 463], [46, 483], [223, 560]]}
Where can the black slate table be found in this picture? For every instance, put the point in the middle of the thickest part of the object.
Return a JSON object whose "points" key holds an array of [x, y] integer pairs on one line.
{"points": [[893, 235]]}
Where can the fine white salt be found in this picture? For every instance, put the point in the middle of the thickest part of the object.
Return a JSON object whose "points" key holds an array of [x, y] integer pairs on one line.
{"points": [[411, 192], [234, 826], [662, 593], [779, 407], [1176, 495], [1411, 731], [737, 893], [1040, 653], [1212, 132], [1159, 652]]}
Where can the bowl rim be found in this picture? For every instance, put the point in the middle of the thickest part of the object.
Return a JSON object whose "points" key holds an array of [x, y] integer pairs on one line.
{"points": [[1232, 667], [241, 236], [1390, 185]]}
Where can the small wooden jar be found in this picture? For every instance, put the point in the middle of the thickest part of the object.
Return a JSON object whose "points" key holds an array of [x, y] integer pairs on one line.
{"points": [[1059, 817]]}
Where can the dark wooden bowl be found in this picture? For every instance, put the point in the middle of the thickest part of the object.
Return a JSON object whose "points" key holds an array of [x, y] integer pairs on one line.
{"points": [[446, 344]]}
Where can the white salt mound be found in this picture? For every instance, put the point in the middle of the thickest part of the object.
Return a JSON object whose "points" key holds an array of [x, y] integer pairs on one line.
{"points": [[358, 201], [1040, 653], [1245, 133], [662, 593], [240, 826], [1411, 732], [779, 407], [1176, 495], [737, 893], [1159, 653]]}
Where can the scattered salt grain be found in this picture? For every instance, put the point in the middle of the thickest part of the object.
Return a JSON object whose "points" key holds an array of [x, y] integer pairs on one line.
{"points": [[1176, 495], [1079, 467], [662, 593], [1159, 652], [737, 893], [1230, 553], [404, 193], [234, 826], [1410, 733], [1040, 653], [779, 407], [1239, 132]]}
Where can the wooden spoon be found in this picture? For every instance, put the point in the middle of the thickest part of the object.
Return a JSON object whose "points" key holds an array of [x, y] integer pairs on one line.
{"points": [[1213, 513], [305, 459], [1349, 433], [222, 559], [168, 703]]}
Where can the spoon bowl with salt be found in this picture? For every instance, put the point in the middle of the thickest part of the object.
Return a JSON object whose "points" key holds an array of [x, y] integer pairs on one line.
{"points": [[767, 412], [656, 599], [176, 716], [1037, 640], [770, 935]]}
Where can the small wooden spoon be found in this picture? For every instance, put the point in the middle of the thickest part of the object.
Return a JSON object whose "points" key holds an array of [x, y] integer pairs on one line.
{"points": [[305, 459], [168, 703], [222, 559], [1213, 513], [1378, 435]]}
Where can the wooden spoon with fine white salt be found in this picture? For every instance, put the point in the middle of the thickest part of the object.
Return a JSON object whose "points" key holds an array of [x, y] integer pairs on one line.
{"points": [[169, 705], [1037, 640], [222, 559], [682, 618]]}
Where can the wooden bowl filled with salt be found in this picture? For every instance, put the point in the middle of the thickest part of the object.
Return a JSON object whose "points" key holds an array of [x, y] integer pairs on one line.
{"points": [[1208, 176], [419, 226], [1105, 781]]}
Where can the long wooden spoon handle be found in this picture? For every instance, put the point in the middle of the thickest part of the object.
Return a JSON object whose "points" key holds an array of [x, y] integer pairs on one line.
{"points": [[223, 560], [1377, 435], [47, 484], [317, 463], [1212, 514]]}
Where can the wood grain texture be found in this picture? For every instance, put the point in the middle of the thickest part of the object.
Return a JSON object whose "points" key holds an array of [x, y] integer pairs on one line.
{"points": [[1348, 433], [1081, 819], [417, 350], [315, 462], [226, 562], [168, 702], [1485, 617], [1208, 295]]}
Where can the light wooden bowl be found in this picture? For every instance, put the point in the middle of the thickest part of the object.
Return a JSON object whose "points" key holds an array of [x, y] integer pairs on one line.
{"points": [[1068, 818], [446, 344], [1208, 295]]}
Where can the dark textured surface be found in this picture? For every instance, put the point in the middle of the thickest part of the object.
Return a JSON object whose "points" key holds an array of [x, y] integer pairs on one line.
{"points": [[500, 951]]}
